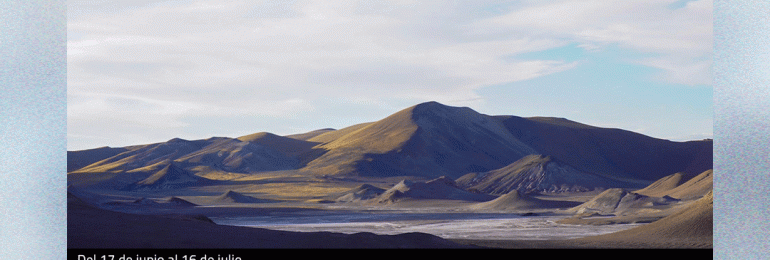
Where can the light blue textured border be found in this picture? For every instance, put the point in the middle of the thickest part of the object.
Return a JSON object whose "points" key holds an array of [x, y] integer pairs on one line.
{"points": [[741, 124], [33, 129]]}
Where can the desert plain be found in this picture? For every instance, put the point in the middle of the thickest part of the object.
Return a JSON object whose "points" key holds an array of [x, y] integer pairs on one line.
{"points": [[428, 176]]}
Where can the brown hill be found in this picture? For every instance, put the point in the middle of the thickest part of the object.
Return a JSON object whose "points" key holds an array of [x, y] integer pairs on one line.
{"points": [[515, 200], [330, 136], [691, 227], [660, 187], [617, 201], [429, 139], [301, 150], [696, 187], [234, 155], [537, 173], [235, 197], [83, 158], [307, 136], [170, 177], [137, 163], [178, 202], [441, 188], [145, 155], [288, 146], [363, 192], [608, 151]]}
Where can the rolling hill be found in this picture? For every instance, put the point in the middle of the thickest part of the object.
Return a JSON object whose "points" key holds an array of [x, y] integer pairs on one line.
{"points": [[617, 201], [537, 173], [427, 140], [609, 151], [515, 200], [170, 177], [362, 192], [236, 197], [440, 188], [696, 187], [691, 227], [80, 159]]}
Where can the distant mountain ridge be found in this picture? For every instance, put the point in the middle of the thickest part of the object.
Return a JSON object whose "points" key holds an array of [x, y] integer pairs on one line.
{"points": [[427, 140], [223, 153]]}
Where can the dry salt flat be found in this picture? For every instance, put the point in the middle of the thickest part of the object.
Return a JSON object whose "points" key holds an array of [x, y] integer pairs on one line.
{"points": [[462, 226]]}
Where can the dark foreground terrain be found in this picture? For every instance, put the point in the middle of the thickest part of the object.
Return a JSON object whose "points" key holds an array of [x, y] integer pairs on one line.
{"points": [[91, 227]]}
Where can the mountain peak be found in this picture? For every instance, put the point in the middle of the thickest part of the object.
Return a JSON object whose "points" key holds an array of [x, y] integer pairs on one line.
{"points": [[436, 108], [430, 104], [257, 136], [177, 140]]}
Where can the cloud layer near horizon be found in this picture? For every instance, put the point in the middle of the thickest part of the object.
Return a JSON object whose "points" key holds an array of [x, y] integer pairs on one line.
{"points": [[147, 70]]}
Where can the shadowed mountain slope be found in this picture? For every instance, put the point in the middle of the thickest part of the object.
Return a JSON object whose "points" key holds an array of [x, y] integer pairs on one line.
{"points": [[234, 155], [429, 139], [363, 192], [301, 150], [219, 152], [137, 165], [288, 146], [83, 158], [537, 173], [235, 197], [145, 155], [178, 202], [170, 177], [515, 200], [610, 151], [441, 188]]}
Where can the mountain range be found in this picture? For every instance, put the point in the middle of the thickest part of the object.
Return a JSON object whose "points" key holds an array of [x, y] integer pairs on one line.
{"points": [[492, 154]]}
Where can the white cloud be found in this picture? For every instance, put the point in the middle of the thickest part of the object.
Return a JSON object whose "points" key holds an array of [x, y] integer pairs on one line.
{"points": [[680, 37], [203, 45], [277, 58]]}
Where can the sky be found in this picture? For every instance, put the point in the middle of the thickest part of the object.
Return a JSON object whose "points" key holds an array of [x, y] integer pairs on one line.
{"points": [[141, 72]]}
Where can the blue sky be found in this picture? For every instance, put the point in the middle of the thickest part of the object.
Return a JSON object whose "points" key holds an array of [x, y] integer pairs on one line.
{"points": [[147, 71]]}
